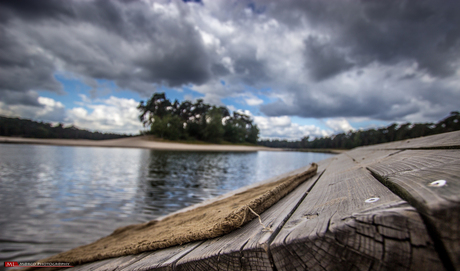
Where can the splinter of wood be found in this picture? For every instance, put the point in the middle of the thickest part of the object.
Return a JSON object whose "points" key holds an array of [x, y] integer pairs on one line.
{"points": [[260, 221]]}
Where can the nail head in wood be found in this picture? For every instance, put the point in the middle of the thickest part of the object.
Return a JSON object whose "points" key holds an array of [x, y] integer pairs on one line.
{"points": [[438, 183], [371, 200]]}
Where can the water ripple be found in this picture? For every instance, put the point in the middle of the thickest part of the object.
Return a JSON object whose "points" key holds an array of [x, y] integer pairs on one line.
{"points": [[54, 198]]}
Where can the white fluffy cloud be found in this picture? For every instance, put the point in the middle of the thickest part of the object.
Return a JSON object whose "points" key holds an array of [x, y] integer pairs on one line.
{"points": [[252, 100], [107, 115], [113, 114], [47, 110], [283, 128], [339, 125]]}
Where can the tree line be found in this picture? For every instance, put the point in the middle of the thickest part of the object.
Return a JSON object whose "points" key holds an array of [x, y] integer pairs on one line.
{"points": [[28, 128], [353, 139], [195, 121]]}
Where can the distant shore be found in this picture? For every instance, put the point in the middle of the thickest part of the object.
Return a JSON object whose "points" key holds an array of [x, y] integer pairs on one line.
{"points": [[145, 142]]}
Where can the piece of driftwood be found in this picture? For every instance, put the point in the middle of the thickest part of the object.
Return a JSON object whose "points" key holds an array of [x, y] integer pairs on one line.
{"points": [[372, 208]]}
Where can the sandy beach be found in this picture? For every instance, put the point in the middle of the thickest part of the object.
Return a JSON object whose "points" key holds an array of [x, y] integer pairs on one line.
{"points": [[145, 142]]}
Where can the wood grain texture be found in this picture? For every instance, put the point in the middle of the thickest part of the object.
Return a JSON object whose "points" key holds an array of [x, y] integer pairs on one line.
{"points": [[258, 247], [445, 140], [247, 247], [109, 264], [158, 260], [363, 157], [442, 141], [164, 259], [410, 173], [335, 229]]}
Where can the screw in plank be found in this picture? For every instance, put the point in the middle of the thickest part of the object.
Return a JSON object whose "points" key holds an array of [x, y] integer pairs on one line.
{"points": [[371, 200], [438, 183]]}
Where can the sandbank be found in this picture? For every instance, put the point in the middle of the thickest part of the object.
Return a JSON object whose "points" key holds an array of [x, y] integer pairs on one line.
{"points": [[145, 142]]}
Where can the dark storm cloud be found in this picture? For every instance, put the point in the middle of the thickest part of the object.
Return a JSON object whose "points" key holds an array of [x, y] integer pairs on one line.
{"points": [[250, 70], [176, 62], [123, 41], [20, 98], [35, 10], [344, 106], [385, 98], [324, 60], [22, 70], [355, 35], [425, 32], [400, 54]]}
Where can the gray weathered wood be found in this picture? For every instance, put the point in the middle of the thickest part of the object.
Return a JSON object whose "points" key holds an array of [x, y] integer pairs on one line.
{"points": [[108, 264], [119, 263], [335, 229], [442, 141], [247, 247], [157, 260], [363, 157], [410, 173], [164, 259]]}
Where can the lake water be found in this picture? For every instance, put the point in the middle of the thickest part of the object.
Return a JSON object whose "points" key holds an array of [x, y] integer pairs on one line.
{"points": [[54, 198]]}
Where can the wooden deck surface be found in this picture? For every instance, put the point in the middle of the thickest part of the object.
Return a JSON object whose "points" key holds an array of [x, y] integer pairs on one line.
{"points": [[393, 206]]}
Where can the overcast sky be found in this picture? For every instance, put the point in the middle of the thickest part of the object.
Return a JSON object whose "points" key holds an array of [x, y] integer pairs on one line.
{"points": [[297, 67]]}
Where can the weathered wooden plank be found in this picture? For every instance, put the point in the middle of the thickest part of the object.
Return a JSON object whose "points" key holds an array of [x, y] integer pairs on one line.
{"points": [[90, 266], [442, 141], [410, 174], [445, 140], [164, 259], [256, 253], [247, 247], [339, 227], [411, 160], [118, 263], [108, 264], [157, 260], [363, 157], [335, 228]]}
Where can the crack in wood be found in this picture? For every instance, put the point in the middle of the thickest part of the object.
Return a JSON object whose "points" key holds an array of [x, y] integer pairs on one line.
{"points": [[431, 229]]}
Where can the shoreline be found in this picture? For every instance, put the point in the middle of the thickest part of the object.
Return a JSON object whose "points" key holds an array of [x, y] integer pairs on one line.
{"points": [[143, 142]]}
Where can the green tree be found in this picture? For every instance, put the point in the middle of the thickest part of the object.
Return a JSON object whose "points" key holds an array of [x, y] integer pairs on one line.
{"points": [[239, 128], [158, 105], [214, 130], [169, 127], [253, 134], [235, 130], [195, 120]]}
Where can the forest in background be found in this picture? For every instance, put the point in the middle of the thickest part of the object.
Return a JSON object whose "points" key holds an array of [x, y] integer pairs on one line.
{"points": [[196, 121], [33, 129], [354, 139], [29, 128]]}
